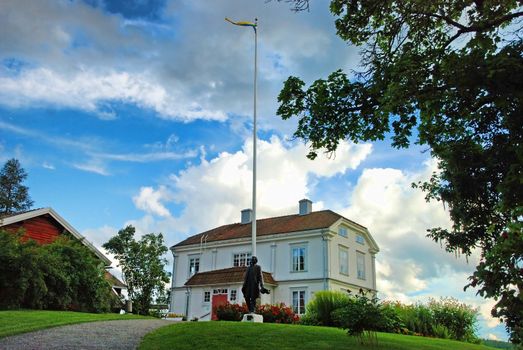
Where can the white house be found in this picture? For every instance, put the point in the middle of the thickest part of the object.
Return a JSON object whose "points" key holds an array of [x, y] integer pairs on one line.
{"points": [[299, 254]]}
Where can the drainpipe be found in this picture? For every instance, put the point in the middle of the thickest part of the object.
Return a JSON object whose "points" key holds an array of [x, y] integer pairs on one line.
{"points": [[173, 281], [325, 239], [187, 302]]}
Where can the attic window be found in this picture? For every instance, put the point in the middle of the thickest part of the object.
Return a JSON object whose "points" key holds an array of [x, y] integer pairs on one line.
{"points": [[342, 231], [360, 239]]}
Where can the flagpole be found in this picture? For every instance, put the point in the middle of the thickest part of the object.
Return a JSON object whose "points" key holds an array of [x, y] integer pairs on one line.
{"points": [[254, 140], [254, 131]]}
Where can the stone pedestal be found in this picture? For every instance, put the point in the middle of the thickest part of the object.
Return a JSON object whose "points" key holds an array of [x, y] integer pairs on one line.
{"points": [[252, 318]]}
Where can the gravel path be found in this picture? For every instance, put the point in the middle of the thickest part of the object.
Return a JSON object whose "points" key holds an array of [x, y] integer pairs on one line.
{"points": [[119, 335]]}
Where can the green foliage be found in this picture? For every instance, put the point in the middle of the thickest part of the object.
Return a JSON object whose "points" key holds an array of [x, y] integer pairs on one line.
{"points": [[319, 309], [63, 275], [142, 264], [14, 197], [361, 316], [452, 74], [444, 318]]}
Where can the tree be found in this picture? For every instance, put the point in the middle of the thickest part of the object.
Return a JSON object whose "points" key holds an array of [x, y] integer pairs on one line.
{"points": [[14, 196], [63, 275], [142, 265], [450, 73]]}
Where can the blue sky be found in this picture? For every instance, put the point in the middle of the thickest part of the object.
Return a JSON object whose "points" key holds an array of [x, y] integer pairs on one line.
{"points": [[139, 112]]}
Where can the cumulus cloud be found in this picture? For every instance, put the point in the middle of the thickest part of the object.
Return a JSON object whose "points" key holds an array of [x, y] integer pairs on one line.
{"points": [[149, 200]]}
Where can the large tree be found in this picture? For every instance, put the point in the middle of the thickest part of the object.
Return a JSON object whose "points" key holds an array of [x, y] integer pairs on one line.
{"points": [[142, 265], [14, 197], [447, 75]]}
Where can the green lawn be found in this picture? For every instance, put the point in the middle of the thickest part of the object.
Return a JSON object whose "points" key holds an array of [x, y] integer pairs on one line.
{"points": [[22, 321], [236, 335]]}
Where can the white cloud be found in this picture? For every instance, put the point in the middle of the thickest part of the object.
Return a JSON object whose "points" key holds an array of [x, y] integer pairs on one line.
{"points": [[149, 200], [48, 166], [92, 168], [89, 90]]}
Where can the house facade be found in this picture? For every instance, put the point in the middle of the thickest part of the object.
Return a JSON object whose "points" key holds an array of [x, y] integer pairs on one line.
{"points": [[299, 255]]}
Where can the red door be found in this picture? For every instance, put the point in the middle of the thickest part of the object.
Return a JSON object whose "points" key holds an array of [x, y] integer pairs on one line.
{"points": [[217, 299]]}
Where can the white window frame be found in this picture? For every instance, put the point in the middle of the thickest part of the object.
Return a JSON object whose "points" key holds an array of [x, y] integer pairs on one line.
{"points": [[298, 308], [360, 265], [343, 262], [233, 295], [206, 295], [344, 230], [192, 258], [243, 257], [295, 266]]}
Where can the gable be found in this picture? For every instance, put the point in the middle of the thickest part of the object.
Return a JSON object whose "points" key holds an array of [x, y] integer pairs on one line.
{"points": [[42, 229], [44, 226]]}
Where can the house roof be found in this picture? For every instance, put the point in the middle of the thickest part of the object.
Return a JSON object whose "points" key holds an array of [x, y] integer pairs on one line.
{"points": [[225, 276], [115, 282], [14, 218], [276, 225]]}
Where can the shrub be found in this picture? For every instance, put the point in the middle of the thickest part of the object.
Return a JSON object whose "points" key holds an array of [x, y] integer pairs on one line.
{"points": [[460, 319], [319, 309], [390, 319], [361, 316], [277, 313], [271, 313], [63, 275], [230, 312]]}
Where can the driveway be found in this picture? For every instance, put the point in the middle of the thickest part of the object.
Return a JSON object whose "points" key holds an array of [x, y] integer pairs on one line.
{"points": [[123, 334]]}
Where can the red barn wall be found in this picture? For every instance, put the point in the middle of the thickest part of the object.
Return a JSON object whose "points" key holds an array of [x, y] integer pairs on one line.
{"points": [[43, 229]]}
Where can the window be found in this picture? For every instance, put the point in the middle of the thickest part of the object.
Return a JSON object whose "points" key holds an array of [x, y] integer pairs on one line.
{"points": [[343, 256], [194, 265], [299, 257], [360, 262], [342, 231], [206, 297], [241, 259], [232, 296], [360, 239], [298, 301]]}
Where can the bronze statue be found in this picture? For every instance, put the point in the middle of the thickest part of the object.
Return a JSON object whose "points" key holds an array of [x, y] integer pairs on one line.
{"points": [[253, 284]]}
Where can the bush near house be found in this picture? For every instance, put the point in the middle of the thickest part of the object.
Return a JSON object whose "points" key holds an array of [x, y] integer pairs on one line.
{"points": [[63, 275], [271, 313], [360, 315]]}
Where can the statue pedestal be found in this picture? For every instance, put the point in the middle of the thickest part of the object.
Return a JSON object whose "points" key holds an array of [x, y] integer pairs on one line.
{"points": [[252, 318]]}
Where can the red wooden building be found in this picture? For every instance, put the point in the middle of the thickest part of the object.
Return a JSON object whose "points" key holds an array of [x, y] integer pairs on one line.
{"points": [[44, 226]]}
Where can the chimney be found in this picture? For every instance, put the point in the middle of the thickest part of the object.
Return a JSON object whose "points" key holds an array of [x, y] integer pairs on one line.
{"points": [[246, 216], [305, 207]]}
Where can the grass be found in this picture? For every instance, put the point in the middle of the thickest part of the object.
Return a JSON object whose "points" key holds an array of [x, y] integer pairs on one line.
{"points": [[22, 321], [236, 335]]}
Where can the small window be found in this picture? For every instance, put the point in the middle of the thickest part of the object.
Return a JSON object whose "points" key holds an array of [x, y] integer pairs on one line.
{"points": [[206, 297], [342, 231], [299, 258], [232, 296], [360, 262], [298, 301], [194, 265], [360, 239], [241, 259], [343, 255]]}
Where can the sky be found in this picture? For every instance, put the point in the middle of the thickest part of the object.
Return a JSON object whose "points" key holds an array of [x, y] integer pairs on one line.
{"points": [[140, 112]]}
